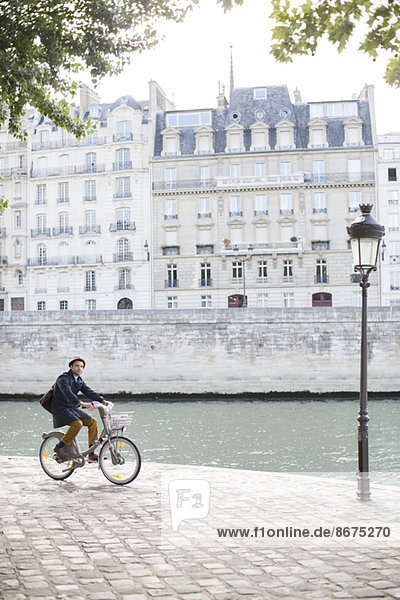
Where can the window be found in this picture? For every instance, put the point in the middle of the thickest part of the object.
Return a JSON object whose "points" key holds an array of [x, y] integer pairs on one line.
{"points": [[286, 204], [288, 270], [354, 169], [63, 282], [204, 208], [235, 206], [288, 300], [41, 305], [189, 119], [90, 221], [260, 94], [234, 171], [63, 192], [19, 277], [170, 178], [395, 281], [17, 190], [262, 271], [17, 219], [393, 222], [63, 304], [319, 203], [124, 131], [63, 223], [41, 194], [237, 271], [393, 197], [354, 201], [123, 159], [123, 219], [123, 250], [260, 170], [172, 276], [90, 190], [321, 272], [392, 174], [172, 302], [262, 300], [41, 222], [17, 249], [41, 254], [90, 281], [319, 171], [206, 302], [260, 205], [124, 279], [204, 176], [285, 169], [394, 252], [90, 304], [90, 162], [123, 187], [43, 139], [170, 209], [205, 275]]}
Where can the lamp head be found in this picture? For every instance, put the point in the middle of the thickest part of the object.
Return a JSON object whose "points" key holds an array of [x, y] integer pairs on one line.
{"points": [[365, 235]]}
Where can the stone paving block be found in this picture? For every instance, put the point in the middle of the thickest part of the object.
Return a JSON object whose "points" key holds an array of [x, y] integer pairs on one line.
{"points": [[393, 593]]}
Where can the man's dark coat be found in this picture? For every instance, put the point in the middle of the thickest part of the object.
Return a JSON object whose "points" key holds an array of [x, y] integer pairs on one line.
{"points": [[65, 402]]}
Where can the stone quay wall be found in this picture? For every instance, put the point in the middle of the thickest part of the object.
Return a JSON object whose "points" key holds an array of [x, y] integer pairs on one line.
{"points": [[216, 351]]}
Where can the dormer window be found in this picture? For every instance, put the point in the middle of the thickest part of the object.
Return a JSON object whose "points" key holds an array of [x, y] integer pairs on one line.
{"points": [[171, 142], [317, 134], [353, 132], [95, 111], [259, 137], [285, 135], [234, 138], [204, 140]]}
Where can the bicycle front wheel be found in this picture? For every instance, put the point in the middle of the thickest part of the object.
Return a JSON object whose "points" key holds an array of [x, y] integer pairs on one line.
{"points": [[50, 466], [120, 460]]}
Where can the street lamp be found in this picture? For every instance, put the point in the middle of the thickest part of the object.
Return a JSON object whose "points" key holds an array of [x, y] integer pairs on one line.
{"points": [[243, 261], [365, 236]]}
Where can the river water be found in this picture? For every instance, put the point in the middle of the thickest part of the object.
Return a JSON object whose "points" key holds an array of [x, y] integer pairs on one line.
{"points": [[268, 435]]}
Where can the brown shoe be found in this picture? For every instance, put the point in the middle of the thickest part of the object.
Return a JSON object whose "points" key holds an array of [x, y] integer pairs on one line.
{"points": [[94, 458], [61, 452]]}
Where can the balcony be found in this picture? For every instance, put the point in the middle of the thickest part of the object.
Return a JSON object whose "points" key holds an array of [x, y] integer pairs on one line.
{"points": [[2, 231], [89, 259], [40, 201], [42, 261], [122, 166], [205, 249], [89, 229], [394, 287], [62, 290], [14, 172], [320, 245], [260, 213], [255, 182], [236, 213], [205, 282], [41, 232], [321, 278], [90, 198], [204, 215], [41, 291], [171, 283], [122, 226], [286, 211], [184, 184], [90, 288], [66, 230], [237, 280], [170, 217], [68, 170], [122, 256], [261, 280], [124, 286], [362, 176], [262, 248], [89, 141], [123, 137], [122, 195], [3, 260], [318, 211], [288, 279], [63, 200], [171, 250], [10, 146]]}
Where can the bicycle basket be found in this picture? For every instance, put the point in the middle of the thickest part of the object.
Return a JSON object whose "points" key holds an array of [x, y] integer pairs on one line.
{"points": [[120, 421]]}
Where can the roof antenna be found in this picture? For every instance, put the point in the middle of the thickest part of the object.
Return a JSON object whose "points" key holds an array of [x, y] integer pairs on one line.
{"points": [[232, 81]]}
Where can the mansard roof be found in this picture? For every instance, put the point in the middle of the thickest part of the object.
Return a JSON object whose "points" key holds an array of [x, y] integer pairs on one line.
{"points": [[272, 106]]}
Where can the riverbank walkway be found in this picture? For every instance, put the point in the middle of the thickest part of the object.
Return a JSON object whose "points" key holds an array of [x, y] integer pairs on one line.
{"points": [[87, 539]]}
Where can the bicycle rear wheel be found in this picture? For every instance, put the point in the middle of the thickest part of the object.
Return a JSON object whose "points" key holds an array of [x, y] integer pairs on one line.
{"points": [[50, 466], [120, 460]]}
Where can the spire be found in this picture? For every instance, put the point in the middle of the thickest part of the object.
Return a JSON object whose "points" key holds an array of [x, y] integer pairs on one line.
{"points": [[232, 82]]}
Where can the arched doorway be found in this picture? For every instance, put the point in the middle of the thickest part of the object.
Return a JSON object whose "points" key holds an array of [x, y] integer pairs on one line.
{"points": [[322, 299], [125, 303]]}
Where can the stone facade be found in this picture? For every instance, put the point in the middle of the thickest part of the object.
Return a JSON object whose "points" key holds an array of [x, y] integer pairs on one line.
{"points": [[196, 351]]}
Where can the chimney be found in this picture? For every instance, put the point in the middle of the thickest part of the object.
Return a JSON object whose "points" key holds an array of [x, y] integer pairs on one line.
{"points": [[297, 96], [221, 98], [86, 98]]}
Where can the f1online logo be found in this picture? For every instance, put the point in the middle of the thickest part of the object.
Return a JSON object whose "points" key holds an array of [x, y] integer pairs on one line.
{"points": [[188, 499]]}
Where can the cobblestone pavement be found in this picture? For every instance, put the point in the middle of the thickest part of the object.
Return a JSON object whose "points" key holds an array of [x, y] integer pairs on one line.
{"points": [[87, 539]]}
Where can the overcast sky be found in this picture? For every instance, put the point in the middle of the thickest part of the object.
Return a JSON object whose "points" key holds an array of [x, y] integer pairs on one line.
{"points": [[195, 55]]}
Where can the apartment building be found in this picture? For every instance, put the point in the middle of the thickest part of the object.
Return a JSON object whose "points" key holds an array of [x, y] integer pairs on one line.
{"points": [[77, 230], [389, 215], [251, 200]]}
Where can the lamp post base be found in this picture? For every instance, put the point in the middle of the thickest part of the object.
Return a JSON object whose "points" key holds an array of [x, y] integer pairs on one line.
{"points": [[363, 489]]}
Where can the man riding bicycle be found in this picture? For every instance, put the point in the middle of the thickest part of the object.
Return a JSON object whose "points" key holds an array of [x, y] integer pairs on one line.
{"points": [[66, 411]]}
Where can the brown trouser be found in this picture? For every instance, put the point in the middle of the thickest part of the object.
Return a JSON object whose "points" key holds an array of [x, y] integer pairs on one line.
{"points": [[76, 426]]}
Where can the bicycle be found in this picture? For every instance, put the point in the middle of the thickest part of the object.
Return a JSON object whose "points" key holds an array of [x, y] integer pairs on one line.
{"points": [[119, 457]]}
